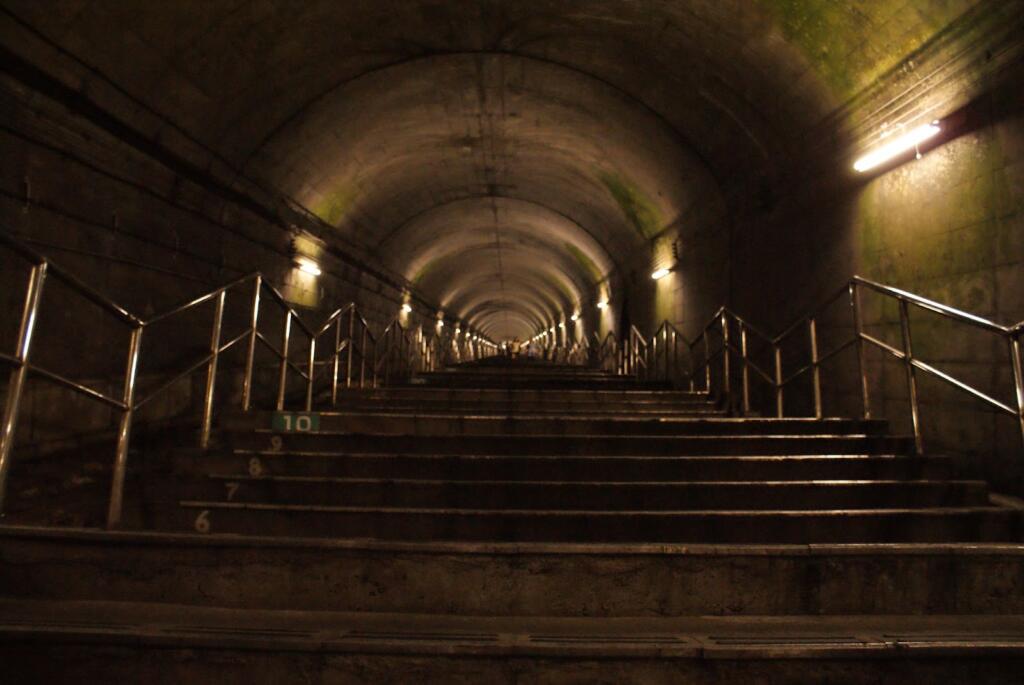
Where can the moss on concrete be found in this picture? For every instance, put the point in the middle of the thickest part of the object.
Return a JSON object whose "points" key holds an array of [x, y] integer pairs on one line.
{"points": [[332, 208], [641, 212], [586, 262], [851, 44]]}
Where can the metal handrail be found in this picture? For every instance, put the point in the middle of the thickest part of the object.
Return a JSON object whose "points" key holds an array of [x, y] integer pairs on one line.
{"points": [[725, 322], [359, 339]]}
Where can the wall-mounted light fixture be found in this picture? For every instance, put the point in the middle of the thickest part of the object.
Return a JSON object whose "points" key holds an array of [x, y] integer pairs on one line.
{"points": [[561, 324], [603, 304], [660, 273], [575, 316], [896, 147], [407, 308], [307, 265]]}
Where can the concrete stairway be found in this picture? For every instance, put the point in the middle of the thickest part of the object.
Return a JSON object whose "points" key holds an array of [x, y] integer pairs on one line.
{"points": [[533, 518], [507, 455]]}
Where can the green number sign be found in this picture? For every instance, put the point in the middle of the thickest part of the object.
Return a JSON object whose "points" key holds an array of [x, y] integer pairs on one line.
{"points": [[295, 422]]}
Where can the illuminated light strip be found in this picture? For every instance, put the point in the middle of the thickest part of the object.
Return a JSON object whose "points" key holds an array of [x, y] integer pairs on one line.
{"points": [[309, 266], [893, 149], [661, 273]]}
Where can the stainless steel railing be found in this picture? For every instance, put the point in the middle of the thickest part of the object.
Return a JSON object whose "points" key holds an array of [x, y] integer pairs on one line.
{"points": [[355, 357], [727, 337]]}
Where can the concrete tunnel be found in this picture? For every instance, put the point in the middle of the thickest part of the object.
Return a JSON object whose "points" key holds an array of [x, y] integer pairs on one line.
{"points": [[509, 166]]}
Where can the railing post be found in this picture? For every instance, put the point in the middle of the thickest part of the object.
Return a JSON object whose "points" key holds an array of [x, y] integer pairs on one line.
{"points": [[908, 359], [812, 329], [351, 337], [362, 361], [1018, 377], [16, 382], [653, 355], [746, 370], [665, 347], [311, 372], [282, 380], [335, 361], [780, 405], [250, 355], [211, 372], [858, 325], [693, 383], [707, 361], [726, 371], [373, 365], [124, 431]]}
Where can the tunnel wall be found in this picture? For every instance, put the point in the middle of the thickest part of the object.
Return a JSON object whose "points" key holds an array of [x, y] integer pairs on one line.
{"points": [[950, 227], [80, 186]]}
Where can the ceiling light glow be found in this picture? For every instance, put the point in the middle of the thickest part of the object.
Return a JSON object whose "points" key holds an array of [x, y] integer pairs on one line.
{"points": [[894, 148]]}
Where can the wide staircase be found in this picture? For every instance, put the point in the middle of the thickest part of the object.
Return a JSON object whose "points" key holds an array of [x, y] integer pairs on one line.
{"points": [[522, 521]]}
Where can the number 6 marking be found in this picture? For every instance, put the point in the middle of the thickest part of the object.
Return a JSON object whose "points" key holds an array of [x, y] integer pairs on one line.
{"points": [[203, 521]]}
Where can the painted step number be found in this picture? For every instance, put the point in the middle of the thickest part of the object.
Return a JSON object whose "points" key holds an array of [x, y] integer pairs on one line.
{"points": [[298, 422]]}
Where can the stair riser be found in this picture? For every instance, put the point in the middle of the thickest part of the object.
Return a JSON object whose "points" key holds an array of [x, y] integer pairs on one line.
{"points": [[248, 575], [583, 445], [656, 469], [517, 396], [129, 661], [656, 527], [398, 424], [617, 497], [584, 409]]}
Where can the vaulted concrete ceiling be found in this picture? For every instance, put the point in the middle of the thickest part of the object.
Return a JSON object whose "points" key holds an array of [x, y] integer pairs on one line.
{"points": [[506, 157]]}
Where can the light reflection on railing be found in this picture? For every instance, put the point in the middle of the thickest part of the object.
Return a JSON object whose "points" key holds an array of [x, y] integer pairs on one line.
{"points": [[393, 355]]}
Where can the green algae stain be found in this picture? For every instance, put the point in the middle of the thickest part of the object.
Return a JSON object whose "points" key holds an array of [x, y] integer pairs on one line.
{"points": [[422, 274], [586, 262], [851, 46], [333, 207], [639, 210], [821, 31]]}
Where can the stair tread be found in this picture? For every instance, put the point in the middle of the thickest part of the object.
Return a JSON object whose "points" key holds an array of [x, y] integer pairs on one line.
{"points": [[602, 483], [598, 513], [892, 636]]}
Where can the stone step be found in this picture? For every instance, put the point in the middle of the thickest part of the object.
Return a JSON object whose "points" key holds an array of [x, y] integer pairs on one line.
{"points": [[596, 411], [604, 496], [143, 642], [938, 524], [573, 445], [523, 579], [544, 404], [519, 395], [501, 381], [558, 468], [389, 423]]}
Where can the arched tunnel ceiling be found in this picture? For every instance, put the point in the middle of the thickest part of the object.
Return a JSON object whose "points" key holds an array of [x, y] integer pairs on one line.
{"points": [[496, 149]]}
